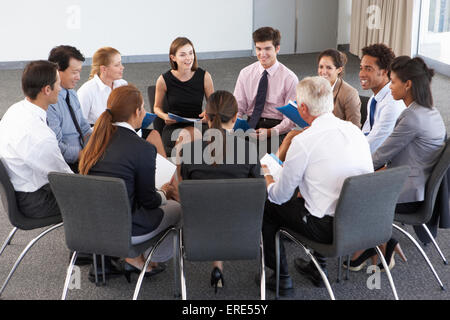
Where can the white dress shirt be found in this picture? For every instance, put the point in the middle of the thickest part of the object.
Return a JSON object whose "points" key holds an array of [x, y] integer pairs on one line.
{"points": [[318, 161], [93, 96], [386, 113], [28, 147]]}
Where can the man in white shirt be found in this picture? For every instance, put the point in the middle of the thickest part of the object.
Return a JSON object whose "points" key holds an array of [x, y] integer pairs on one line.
{"points": [[382, 109], [28, 147], [317, 162]]}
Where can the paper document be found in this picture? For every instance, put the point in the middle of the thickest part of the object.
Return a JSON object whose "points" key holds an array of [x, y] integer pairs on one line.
{"points": [[273, 164], [291, 111], [164, 171], [181, 119]]}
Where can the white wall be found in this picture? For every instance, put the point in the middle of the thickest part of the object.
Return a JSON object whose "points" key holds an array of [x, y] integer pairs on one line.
{"points": [[29, 29], [279, 15], [345, 21]]}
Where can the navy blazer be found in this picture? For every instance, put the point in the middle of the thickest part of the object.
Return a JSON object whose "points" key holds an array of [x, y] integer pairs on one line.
{"points": [[133, 159]]}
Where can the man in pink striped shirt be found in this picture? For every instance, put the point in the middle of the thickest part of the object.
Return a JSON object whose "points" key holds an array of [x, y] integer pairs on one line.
{"points": [[269, 81]]}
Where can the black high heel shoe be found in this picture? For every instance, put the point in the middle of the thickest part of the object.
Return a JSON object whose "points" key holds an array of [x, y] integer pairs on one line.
{"points": [[392, 247], [128, 269], [217, 279], [360, 262]]}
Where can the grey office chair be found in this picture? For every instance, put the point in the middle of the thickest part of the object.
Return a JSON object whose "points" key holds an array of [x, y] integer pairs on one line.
{"points": [[97, 219], [363, 219], [222, 220], [159, 123], [20, 221], [423, 215]]}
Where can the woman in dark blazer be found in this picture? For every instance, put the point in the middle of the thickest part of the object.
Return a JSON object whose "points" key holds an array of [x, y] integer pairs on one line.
{"points": [[221, 114], [347, 104], [417, 141], [115, 150]]}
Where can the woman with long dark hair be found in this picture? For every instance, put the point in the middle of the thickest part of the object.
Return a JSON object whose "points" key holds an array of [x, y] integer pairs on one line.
{"points": [[185, 86], [115, 150], [221, 114]]}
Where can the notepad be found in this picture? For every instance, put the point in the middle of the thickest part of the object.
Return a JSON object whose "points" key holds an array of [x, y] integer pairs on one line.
{"points": [[164, 171], [182, 119], [241, 124], [148, 119], [291, 111], [273, 164]]}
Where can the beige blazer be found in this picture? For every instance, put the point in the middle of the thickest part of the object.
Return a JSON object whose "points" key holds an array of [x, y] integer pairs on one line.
{"points": [[347, 105]]}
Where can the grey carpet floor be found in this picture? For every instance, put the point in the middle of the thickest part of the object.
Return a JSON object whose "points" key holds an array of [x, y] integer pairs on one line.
{"points": [[42, 272]]}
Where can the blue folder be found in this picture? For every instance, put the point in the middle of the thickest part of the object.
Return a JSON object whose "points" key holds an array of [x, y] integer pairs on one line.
{"points": [[148, 119], [241, 124], [291, 111]]}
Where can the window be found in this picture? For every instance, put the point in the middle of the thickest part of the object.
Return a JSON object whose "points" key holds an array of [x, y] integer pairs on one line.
{"points": [[434, 38]]}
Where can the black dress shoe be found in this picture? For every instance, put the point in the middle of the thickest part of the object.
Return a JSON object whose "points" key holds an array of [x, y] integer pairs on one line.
{"points": [[127, 269], [286, 287], [309, 270]]}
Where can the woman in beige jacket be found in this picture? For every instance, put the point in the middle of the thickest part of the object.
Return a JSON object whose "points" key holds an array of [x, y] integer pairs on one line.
{"points": [[347, 104]]}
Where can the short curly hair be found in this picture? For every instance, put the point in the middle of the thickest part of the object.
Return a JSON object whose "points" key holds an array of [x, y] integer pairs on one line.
{"points": [[383, 53]]}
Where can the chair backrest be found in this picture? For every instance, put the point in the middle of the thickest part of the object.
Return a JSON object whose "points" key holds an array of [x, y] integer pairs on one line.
{"points": [[434, 183], [9, 201], [159, 123], [96, 213], [222, 219], [364, 102], [365, 210]]}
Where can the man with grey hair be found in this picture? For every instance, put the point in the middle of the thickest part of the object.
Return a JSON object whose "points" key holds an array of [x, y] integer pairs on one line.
{"points": [[317, 162]]}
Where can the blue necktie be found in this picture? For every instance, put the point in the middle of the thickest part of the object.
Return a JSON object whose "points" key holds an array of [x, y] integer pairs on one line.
{"points": [[373, 107], [260, 101]]}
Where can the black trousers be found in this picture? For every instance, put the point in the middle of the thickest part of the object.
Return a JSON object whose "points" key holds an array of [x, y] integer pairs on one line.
{"points": [[38, 204], [168, 130], [292, 215], [265, 123]]}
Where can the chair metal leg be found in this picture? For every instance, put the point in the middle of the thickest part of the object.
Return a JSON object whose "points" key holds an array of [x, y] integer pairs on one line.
{"points": [[347, 273], [94, 258], [8, 240], [24, 252], [277, 262], [339, 269], [422, 252], [69, 275], [103, 270], [176, 243], [319, 268], [388, 272], [435, 244], [263, 271], [182, 278], [149, 258]]}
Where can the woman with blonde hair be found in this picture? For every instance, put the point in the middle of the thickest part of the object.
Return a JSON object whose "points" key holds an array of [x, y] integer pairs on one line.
{"points": [[115, 150], [185, 86], [106, 75]]}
